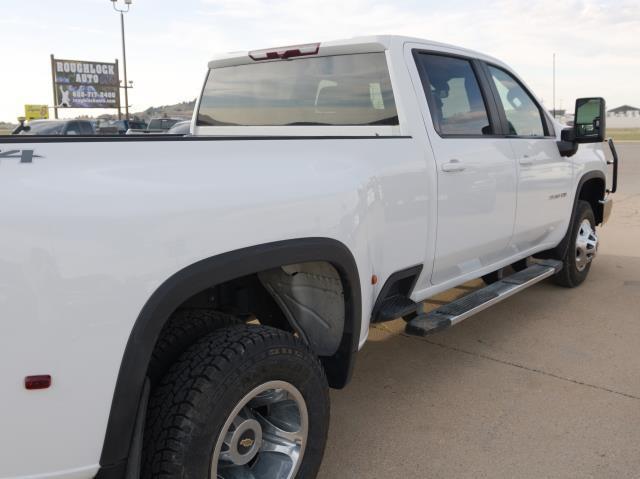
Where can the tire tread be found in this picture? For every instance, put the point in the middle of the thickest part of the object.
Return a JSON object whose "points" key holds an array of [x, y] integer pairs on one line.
{"points": [[211, 362], [569, 276]]}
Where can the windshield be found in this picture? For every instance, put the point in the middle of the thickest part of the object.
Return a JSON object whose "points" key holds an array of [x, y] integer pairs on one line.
{"points": [[162, 123], [181, 128], [45, 128], [334, 90]]}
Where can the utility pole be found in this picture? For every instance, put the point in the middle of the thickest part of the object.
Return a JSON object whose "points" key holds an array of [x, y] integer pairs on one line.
{"points": [[554, 85], [122, 11], [119, 102]]}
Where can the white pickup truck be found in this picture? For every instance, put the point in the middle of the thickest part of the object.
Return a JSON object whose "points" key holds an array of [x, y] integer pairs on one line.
{"points": [[177, 307]]}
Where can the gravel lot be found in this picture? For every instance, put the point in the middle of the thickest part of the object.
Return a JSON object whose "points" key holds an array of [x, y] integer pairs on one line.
{"points": [[543, 385]]}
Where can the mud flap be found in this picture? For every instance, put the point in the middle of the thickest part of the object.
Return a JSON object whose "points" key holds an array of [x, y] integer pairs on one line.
{"points": [[312, 299]]}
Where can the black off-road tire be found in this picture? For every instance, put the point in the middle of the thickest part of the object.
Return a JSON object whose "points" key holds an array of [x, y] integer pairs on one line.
{"points": [[183, 329], [570, 276], [189, 408]]}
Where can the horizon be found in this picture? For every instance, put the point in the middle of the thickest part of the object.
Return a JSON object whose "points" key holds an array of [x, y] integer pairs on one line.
{"points": [[189, 36]]}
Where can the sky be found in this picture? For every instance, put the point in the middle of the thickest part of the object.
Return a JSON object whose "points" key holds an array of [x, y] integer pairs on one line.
{"points": [[596, 42]]}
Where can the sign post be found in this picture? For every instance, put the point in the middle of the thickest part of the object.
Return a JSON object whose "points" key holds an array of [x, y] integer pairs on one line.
{"points": [[53, 82], [85, 84]]}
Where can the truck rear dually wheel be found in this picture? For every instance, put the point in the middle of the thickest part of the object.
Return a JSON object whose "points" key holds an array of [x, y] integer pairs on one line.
{"points": [[182, 330], [243, 402], [582, 249]]}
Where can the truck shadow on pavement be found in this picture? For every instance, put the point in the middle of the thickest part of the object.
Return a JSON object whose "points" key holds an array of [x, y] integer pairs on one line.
{"points": [[545, 384]]}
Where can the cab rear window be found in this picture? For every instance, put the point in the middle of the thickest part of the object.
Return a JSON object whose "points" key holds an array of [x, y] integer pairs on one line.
{"points": [[335, 90]]}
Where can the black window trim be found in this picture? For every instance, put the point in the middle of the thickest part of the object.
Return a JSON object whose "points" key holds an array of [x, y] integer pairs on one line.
{"points": [[549, 130], [495, 120]]}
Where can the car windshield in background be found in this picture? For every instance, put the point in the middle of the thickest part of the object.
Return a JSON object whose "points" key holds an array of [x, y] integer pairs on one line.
{"points": [[335, 90], [180, 128], [45, 128], [162, 123]]}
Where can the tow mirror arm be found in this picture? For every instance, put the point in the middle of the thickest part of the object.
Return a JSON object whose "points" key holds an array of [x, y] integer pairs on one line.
{"points": [[567, 146]]}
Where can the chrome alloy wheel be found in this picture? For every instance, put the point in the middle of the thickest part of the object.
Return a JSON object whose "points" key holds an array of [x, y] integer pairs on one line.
{"points": [[586, 245], [264, 436]]}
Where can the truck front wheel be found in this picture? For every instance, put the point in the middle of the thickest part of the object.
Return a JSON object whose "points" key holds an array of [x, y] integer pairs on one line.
{"points": [[582, 249], [245, 401]]}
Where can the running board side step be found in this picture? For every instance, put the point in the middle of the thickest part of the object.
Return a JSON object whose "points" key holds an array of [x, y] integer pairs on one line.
{"points": [[452, 313]]}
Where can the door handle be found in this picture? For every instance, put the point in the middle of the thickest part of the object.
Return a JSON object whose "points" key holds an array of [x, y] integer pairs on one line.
{"points": [[453, 166], [525, 161]]}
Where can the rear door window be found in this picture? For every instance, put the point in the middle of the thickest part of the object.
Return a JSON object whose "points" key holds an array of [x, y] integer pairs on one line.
{"points": [[333, 90], [454, 96]]}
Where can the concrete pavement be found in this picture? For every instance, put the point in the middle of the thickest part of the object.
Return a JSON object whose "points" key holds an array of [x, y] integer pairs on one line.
{"points": [[543, 385]]}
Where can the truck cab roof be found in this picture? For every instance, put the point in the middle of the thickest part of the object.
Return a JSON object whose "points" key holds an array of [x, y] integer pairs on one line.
{"points": [[361, 44]]}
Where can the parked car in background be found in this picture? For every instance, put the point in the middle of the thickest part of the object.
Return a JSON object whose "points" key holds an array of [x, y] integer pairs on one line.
{"points": [[180, 128], [118, 127], [156, 126], [57, 127], [161, 125]]}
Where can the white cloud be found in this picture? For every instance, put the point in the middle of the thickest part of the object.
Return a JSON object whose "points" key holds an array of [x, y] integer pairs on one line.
{"points": [[596, 42]]}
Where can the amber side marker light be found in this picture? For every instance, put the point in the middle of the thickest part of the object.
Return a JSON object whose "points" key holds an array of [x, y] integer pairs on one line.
{"points": [[42, 381]]}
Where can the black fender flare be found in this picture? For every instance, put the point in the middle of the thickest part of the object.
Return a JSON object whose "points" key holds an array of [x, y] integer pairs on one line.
{"points": [[561, 250], [196, 278]]}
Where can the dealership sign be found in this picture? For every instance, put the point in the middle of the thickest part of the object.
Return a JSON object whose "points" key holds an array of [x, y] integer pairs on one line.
{"points": [[36, 112], [84, 84]]}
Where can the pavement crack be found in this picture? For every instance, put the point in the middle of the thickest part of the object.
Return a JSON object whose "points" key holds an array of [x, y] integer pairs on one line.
{"points": [[521, 366]]}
